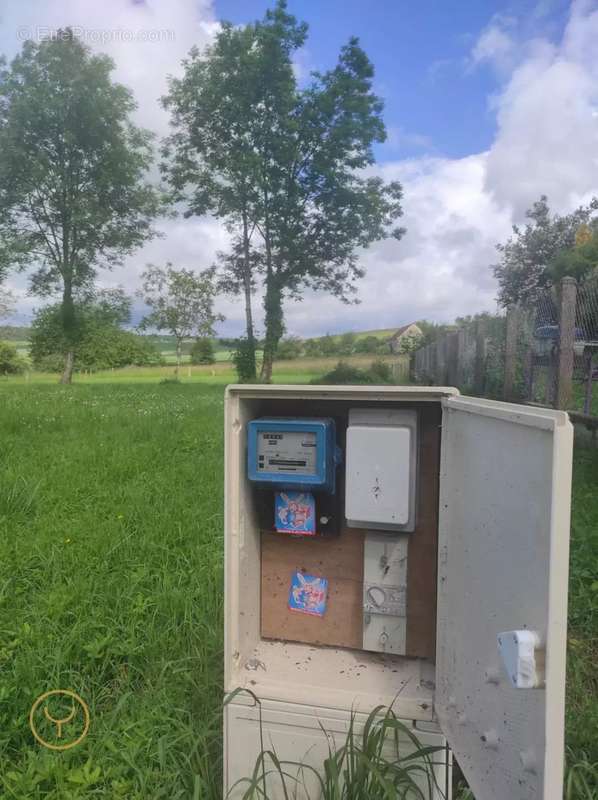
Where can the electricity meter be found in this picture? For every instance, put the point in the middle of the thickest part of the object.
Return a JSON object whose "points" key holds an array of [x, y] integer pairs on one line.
{"points": [[293, 453]]}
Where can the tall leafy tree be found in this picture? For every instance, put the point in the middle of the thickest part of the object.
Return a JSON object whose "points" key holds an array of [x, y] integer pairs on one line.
{"points": [[533, 257], [210, 158], [74, 197], [181, 303], [296, 161]]}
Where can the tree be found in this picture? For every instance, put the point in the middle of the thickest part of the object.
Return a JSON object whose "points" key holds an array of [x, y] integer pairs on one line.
{"points": [[73, 192], [531, 259], [11, 362], [290, 347], [238, 275], [101, 342], [328, 346], [409, 344], [291, 159], [312, 347], [181, 303], [202, 351], [582, 259], [347, 344], [209, 158], [432, 330], [367, 344]]}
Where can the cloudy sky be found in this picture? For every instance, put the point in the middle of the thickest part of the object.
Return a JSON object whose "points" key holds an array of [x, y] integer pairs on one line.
{"points": [[488, 105]]}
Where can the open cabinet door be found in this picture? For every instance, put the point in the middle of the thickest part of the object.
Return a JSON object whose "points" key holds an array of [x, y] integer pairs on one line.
{"points": [[505, 488]]}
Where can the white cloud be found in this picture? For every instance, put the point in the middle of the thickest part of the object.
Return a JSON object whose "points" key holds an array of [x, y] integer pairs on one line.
{"points": [[146, 38], [456, 210], [439, 270], [547, 139], [495, 45]]}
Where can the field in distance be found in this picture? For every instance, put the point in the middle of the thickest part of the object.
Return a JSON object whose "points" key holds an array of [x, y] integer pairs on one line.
{"points": [[301, 370], [166, 344]]}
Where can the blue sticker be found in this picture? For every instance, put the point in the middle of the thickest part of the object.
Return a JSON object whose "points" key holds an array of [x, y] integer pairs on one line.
{"points": [[308, 594], [295, 512]]}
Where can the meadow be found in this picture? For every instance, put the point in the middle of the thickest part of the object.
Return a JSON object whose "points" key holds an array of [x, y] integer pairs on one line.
{"points": [[299, 370], [111, 584]]}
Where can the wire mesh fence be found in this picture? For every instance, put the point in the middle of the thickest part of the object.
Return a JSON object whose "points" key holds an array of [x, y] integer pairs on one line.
{"points": [[586, 349], [546, 353]]}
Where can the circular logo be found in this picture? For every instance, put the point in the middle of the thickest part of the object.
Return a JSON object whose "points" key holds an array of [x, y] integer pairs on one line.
{"points": [[59, 716]]}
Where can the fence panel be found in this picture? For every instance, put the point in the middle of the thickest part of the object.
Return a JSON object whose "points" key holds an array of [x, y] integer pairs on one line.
{"points": [[545, 353]]}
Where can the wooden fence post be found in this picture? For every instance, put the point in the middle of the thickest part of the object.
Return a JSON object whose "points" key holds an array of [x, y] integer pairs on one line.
{"points": [[460, 374], [528, 371], [479, 369], [566, 353], [441, 378], [452, 358], [510, 352]]}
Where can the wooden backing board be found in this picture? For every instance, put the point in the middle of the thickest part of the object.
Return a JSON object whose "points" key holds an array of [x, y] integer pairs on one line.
{"points": [[422, 553], [340, 560]]}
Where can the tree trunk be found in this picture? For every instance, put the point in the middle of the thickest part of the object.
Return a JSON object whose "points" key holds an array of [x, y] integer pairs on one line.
{"points": [[274, 324], [178, 358], [247, 290], [69, 363], [68, 327]]}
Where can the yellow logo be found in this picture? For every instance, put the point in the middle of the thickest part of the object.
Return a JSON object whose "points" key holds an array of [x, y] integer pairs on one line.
{"points": [[77, 717]]}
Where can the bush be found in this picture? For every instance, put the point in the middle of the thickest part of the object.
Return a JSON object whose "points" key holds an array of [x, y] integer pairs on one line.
{"points": [[101, 342], [243, 357], [378, 372], [202, 351], [381, 372], [11, 362], [328, 346], [51, 363], [367, 344], [289, 348]]}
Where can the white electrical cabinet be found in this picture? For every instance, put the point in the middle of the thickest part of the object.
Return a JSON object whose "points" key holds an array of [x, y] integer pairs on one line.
{"points": [[446, 601]]}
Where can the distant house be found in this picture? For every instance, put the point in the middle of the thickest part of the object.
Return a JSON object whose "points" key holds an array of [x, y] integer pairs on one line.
{"points": [[401, 340]]}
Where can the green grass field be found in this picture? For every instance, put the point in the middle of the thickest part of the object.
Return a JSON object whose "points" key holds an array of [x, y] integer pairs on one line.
{"points": [[300, 370], [111, 584]]}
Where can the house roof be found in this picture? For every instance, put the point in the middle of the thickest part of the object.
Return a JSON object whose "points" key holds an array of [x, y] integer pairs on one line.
{"points": [[400, 331]]}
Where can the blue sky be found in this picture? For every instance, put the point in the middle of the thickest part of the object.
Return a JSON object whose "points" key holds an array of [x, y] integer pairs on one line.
{"points": [[488, 106], [434, 100]]}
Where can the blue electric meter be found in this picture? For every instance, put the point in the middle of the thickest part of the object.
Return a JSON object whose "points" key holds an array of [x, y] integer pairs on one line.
{"points": [[293, 453]]}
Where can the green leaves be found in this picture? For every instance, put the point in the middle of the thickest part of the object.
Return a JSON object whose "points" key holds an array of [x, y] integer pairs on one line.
{"points": [[73, 191], [72, 166], [181, 302], [381, 758], [283, 165], [100, 342], [536, 256]]}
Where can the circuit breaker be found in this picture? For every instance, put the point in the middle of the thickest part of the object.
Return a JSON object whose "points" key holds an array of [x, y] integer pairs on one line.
{"points": [[381, 466], [385, 593]]}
